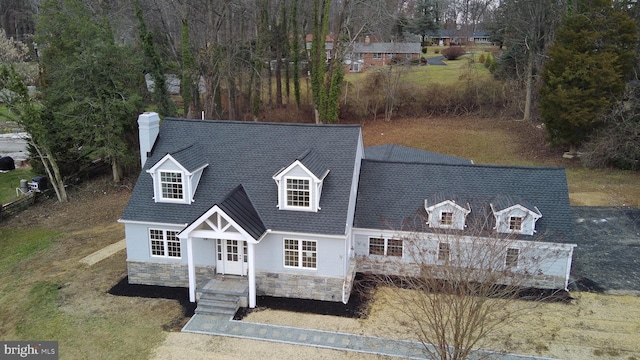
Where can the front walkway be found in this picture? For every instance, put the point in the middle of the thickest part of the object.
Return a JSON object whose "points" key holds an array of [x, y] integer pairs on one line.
{"points": [[222, 326]]}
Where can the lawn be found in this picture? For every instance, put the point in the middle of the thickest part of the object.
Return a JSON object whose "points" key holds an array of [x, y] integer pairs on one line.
{"points": [[47, 294], [9, 181]]}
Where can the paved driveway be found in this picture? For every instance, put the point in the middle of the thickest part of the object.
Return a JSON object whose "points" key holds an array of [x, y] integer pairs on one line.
{"points": [[607, 258]]}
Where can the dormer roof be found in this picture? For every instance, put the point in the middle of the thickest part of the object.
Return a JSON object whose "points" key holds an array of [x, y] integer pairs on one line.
{"points": [[190, 157]]}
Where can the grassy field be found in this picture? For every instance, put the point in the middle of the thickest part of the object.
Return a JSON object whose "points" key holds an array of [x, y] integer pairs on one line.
{"points": [[9, 181]]}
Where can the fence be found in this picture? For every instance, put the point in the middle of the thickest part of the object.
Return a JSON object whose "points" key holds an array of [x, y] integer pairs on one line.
{"points": [[14, 207]]}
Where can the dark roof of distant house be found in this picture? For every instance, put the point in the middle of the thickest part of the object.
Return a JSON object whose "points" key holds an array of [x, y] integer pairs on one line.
{"points": [[392, 152], [249, 154], [391, 194], [390, 48]]}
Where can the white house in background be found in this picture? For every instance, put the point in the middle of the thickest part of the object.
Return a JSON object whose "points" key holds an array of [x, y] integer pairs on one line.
{"points": [[298, 209]]}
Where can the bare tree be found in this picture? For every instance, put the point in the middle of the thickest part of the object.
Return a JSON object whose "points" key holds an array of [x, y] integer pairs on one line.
{"points": [[452, 287], [529, 26]]}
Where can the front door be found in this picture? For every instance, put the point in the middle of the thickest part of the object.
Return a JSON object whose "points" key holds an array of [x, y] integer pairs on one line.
{"points": [[232, 257]]}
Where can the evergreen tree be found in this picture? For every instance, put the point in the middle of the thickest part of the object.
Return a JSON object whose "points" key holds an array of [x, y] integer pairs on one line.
{"points": [[587, 69], [424, 20], [90, 89]]}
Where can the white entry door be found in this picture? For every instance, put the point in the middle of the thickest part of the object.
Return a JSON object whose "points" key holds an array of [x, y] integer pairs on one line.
{"points": [[232, 257]]}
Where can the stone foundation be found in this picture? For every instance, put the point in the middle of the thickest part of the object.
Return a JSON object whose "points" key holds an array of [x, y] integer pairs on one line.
{"points": [[299, 286], [395, 268], [166, 274]]}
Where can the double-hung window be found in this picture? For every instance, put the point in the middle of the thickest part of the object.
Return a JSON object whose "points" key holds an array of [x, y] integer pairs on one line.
{"points": [[511, 260], [444, 251], [165, 243], [446, 218], [171, 186], [385, 247], [298, 192], [300, 253], [515, 223]]}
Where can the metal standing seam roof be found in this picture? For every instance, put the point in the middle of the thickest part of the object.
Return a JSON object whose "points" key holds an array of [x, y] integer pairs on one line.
{"points": [[248, 154], [391, 194]]}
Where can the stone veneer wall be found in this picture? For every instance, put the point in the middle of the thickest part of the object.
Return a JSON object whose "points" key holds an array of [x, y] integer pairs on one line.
{"points": [[369, 266], [166, 274], [299, 286]]}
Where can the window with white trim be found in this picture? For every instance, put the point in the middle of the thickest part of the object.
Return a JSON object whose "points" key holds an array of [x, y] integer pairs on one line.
{"points": [[377, 55], [515, 223], [444, 251], [512, 257], [446, 218], [298, 192], [300, 253], [165, 243], [171, 186], [385, 247]]}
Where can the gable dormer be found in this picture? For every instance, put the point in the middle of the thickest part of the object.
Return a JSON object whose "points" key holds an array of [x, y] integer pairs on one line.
{"points": [[300, 183], [514, 215], [446, 212], [177, 175]]}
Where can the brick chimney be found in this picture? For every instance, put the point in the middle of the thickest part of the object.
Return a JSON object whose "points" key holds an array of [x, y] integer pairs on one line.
{"points": [[148, 127]]}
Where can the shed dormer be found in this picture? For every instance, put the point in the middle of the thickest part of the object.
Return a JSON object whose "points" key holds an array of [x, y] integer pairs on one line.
{"points": [[446, 212], [177, 175], [300, 183], [514, 215]]}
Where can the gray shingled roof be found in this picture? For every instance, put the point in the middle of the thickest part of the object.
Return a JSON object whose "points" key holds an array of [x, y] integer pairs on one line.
{"points": [[390, 48], [391, 194], [248, 154], [189, 157], [392, 152], [311, 160]]}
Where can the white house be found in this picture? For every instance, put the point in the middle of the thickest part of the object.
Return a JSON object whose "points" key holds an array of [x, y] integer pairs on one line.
{"points": [[297, 209]]}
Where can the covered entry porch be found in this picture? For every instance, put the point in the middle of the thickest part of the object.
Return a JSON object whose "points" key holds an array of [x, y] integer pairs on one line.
{"points": [[236, 228]]}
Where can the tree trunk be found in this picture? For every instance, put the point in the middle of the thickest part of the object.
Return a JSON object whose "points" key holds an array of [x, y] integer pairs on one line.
{"points": [[115, 170], [528, 86]]}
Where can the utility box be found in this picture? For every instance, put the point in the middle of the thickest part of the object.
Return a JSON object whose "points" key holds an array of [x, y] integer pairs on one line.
{"points": [[39, 183]]}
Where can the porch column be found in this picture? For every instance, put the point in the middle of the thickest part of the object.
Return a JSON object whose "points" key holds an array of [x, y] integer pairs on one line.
{"points": [[252, 275], [192, 270]]}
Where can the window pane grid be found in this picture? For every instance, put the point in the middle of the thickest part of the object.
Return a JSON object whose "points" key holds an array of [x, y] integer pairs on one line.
{"points": [[376, 246], [291, 253], [394, 247], [173, 244], [300, 253], [171, 184], [446, 218], [309, 254], [515, 223], [444, 252], [298, 193], [512, 257], [165, 243]]}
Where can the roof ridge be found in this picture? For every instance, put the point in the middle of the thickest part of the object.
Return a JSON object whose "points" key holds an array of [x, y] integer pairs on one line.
{"points": [[475, 165], [259, 122]]}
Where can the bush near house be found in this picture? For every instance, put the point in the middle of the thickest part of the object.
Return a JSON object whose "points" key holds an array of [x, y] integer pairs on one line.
{"points": [[453, 52]]}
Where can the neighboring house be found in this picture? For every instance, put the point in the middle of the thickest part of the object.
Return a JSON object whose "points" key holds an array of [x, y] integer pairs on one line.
{"points": [[480, 38], [298, 209], [367, 54]]}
